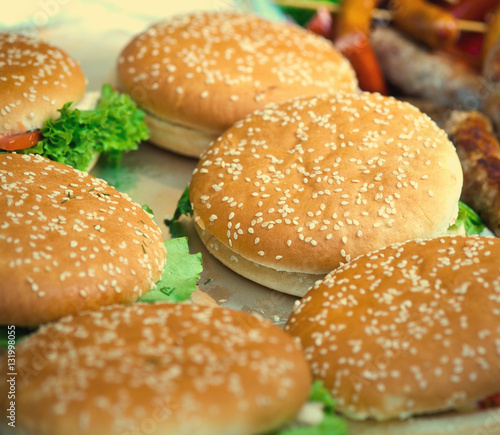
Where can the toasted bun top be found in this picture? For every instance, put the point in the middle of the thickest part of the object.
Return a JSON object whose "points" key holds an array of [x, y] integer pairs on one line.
{"points": [[180, 368], [36, 80], [208, 69], [409, 329], [307, 184], [69, 242]]}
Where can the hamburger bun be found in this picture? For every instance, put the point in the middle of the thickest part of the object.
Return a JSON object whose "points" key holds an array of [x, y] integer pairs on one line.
{"points": [[178, 369], [408, 336], [294, 190], [70, 242], [196, 74], [37, 80]]}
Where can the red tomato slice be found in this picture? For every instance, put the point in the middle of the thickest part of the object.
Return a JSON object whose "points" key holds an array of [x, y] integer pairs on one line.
{"points": [[20, 141], [490, 402]]}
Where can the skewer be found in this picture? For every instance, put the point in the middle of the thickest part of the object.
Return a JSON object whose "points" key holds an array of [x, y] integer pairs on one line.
{"points": [[379, 14]]}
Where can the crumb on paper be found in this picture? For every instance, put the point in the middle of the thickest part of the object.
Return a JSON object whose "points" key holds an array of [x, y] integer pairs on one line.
{"points": [[202, 298]]}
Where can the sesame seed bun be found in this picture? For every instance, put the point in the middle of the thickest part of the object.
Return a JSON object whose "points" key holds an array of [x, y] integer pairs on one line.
{"points": [[305, 185], [411, 330], [69, 242], [36, 80], [198, 73], [176, 369]]}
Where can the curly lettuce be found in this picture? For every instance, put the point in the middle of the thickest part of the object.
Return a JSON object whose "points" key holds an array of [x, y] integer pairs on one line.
{"points": [[331, 424], [467, 220], [116, 125]]}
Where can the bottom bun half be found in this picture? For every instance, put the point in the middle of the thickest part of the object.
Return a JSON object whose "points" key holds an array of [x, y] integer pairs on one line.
{"points": [[292, 283], [480, 422], [178, 138]]}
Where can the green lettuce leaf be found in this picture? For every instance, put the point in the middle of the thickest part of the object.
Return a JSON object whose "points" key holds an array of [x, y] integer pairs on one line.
{"points": [[183, 208], [320, 394], [332, 424], [180, 275], [468, 219], [148, 210], [114, 126]]}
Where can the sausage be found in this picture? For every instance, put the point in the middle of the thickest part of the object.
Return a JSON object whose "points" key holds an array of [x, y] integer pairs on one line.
{"points": [[418, 72], [479, 153], [353, 23], [492, 35], [491, 73], [430, 24], [491, 70], [356, 47], [355, 16]]}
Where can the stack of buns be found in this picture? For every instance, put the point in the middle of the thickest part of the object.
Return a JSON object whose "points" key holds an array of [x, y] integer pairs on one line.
{"points": [[357, 187], [303, 185], [76, 256]]}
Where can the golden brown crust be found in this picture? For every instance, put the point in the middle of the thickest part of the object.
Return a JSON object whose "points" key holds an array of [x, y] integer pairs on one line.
{"points": [[183, 369], [409, 329], [37, 80], [69, 242], [206, 70], [305, 185], [479, 152]]}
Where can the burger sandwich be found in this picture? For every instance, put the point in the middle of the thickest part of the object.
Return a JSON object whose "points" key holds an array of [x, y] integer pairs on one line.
{"points": [[164, 368], [293, 190], [406, 338], [70, 242], [196, 74], [46, 111]]}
